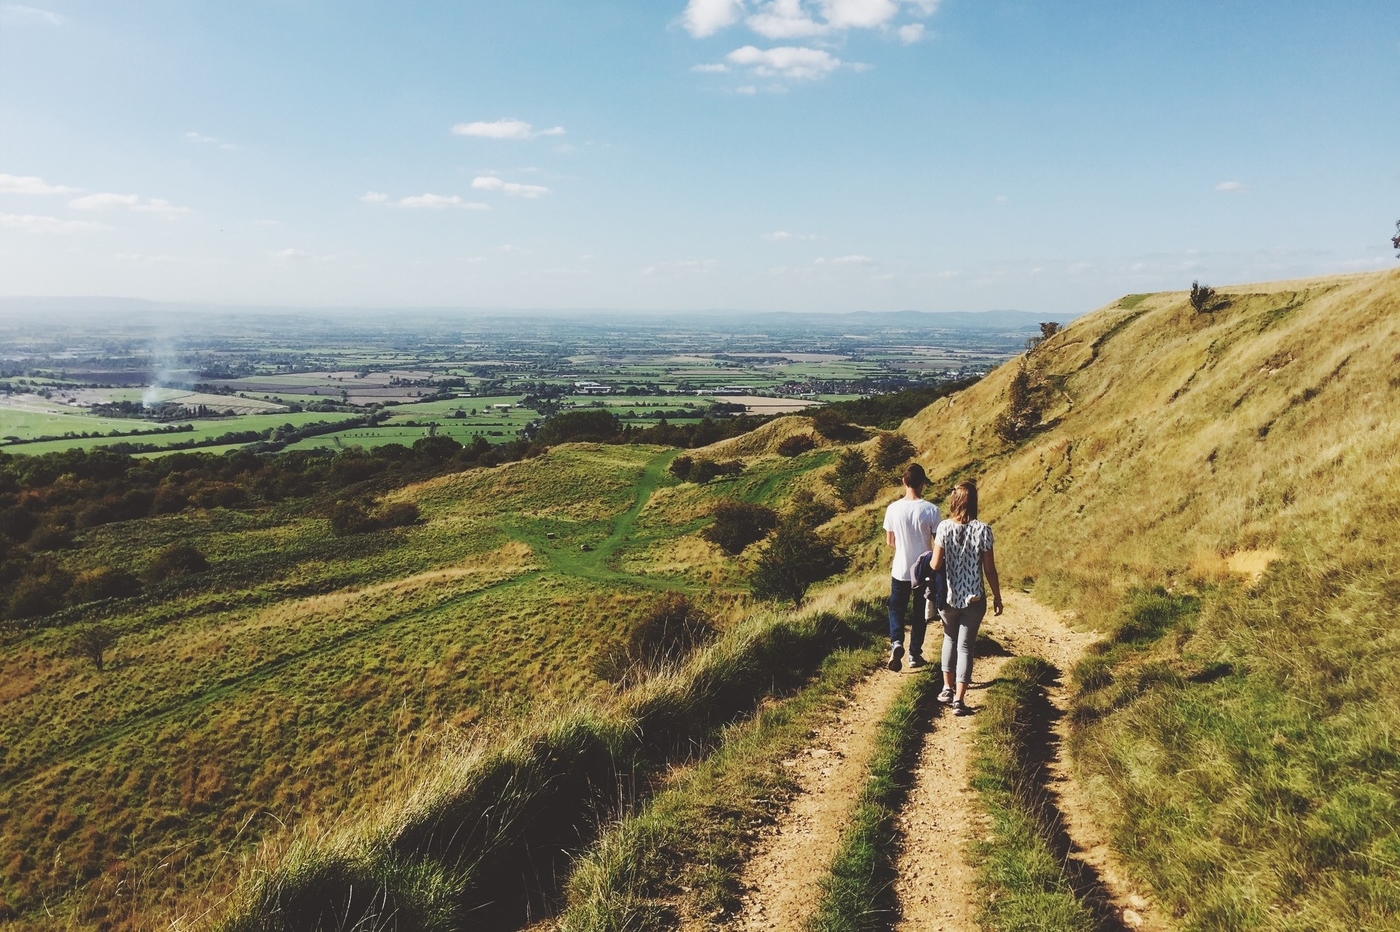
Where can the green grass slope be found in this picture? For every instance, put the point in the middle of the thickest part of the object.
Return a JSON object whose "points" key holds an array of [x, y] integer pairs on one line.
{"points": [[1243, 464]]}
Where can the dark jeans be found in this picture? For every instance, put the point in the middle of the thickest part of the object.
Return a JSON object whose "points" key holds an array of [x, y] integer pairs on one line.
{"points": [[899, 606]]}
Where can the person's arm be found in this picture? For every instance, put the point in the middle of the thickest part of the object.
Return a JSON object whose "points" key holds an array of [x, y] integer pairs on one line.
{"points": [[989, 566], [937, 563], [889, 538]]}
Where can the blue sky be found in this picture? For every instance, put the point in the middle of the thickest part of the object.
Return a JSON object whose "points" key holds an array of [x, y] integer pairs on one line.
{"points": [[822, 155]]}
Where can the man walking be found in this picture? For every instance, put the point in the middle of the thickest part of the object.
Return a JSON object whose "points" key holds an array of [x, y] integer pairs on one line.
{"points": [[909, 527]]}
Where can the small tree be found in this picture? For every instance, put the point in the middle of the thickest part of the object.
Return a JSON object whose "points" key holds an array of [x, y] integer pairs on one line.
{"points": [[1204, 298], [738, 524], [1395, 240], [851, 468], [681, 467], [794, 559], [92, 641], [892, 450]]}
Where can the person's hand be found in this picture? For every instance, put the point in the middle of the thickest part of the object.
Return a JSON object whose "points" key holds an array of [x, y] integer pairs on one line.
{"points": [[996, 606]]}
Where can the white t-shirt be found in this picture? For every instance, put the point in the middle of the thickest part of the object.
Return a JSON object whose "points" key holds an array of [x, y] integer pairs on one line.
{"points": [[963, 546], [913, 524]]}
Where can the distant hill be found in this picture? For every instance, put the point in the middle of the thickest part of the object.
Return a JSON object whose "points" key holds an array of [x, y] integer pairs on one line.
{"points": [[81, 308]]}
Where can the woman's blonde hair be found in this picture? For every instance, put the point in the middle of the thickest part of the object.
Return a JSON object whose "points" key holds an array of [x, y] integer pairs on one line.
{"points": [[962, 504]]}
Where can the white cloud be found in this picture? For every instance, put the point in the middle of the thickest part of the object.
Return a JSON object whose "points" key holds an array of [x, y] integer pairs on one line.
{"points": [[374, 197], [783, 236], [858, 14], [910, 33], [439, 202], [716, 68], [205, 140], [847, 260], [786, 19], [504, 129], [704, 18], [31, 184], [492, 183], [36, 223], [109, 201], [1231, 187], [289, 255], [33, 13], [793, 63]]}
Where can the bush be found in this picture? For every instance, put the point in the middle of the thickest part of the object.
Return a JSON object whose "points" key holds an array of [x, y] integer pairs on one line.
{"points": [[892, 450], [1204, 298], [399, 514], [351, 518], [596, 425], [17, 524], [738, 524], [796, 445], [103, 583], [850, 473], [39, 594], [174, 562], [681, 467], [670, 630], [793, 560], [833, 425]]}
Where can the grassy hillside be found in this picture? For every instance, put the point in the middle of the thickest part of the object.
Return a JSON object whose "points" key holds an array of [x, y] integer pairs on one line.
{"points": [[302, 672], [1221, 492]]}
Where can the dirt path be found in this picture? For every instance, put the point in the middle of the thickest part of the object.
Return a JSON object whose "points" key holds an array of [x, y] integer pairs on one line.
{"points": [[782, 879], [936, 882]]}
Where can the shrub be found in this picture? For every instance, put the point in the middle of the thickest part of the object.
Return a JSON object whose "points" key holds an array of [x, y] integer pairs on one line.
{"points": [[1204, 298], [851, 470], [103, 583], [681, 467], [50, 538], [833, 425], [796, 445], [738, 524], [38, 594], [176, 561], [892, 450], [399, 514], [597, 425], [17, 524], [670, 630], [92, 641], [793, 560], [351, 518]]}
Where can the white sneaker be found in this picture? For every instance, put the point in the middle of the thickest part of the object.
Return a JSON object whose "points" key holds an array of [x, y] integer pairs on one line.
{"points": [[896, 655]]}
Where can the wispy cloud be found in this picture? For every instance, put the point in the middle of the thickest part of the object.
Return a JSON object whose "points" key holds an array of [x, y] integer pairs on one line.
{"points": [[790, 62], [439, 202], [291, 256], [514, 189], [31, 184], [109, 201], [847, 260], [910, 33], [504, 129], [205, 140], [783, 236], [1231, 187], [374, 197], [32, 13], [36, 223]]}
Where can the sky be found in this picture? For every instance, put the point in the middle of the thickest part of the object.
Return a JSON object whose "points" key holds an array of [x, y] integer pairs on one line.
{"points": [[796, 155]]}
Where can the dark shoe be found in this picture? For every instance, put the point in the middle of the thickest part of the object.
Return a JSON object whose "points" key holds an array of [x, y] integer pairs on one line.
{"points": [[946, 697], [896, 655], [917, 662], [961, 708]]}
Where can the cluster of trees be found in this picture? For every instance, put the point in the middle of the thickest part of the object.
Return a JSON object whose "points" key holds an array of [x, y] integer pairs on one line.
{"points": [[701, 471]]}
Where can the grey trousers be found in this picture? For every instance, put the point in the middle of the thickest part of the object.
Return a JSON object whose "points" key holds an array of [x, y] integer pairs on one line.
{"points": [[960, 633]]}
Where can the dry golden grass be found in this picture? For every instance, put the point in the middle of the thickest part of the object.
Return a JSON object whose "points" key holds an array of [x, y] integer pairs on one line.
{"points": [[1188, 436]]}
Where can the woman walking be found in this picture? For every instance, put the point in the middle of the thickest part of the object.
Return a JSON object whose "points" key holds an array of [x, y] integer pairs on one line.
{"points": [[962, 547], [909, 525]]}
